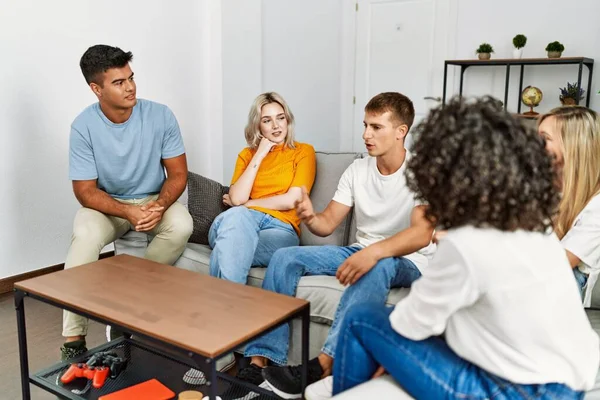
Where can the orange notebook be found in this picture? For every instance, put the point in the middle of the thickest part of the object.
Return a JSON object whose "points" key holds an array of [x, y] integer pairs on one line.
{"points": [[149, 390]]}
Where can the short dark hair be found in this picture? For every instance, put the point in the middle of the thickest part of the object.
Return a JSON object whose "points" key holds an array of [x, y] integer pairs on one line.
{"points": [[399, 105], [100, 58], [475, 164]]}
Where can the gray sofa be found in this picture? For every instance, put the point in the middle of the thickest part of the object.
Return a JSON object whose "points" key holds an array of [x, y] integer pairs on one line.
{"points": [[323, 292]]}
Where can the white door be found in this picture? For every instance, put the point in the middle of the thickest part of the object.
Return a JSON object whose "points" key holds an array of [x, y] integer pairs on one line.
{"points": [[401, 46]]}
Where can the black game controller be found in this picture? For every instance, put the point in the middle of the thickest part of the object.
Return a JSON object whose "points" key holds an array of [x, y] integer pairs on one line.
{"points": [[108, 359]]}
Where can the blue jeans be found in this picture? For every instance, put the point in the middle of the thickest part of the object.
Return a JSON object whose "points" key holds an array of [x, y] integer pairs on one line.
{"points": [[581, 279], [426, 369], [242, 238], [289, 265]]}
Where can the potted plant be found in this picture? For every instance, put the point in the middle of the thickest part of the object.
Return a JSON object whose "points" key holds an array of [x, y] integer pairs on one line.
{"points": [[555, 49], [570, 95], [484, 51], [519, 42]]}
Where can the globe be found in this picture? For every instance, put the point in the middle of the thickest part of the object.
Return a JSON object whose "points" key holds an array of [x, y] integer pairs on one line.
{"points": [[531, 97]]}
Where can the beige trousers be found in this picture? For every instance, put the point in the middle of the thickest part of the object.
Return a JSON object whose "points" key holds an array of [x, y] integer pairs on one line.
{"points": [[93, 230]]}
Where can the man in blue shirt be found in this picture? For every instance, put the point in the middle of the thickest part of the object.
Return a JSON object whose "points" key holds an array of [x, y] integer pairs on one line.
{"points": [[119, 150]]}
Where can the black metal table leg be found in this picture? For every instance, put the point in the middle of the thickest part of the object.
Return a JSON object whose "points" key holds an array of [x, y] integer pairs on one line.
{"points": [[462, 73], [305, 343], [213, 380], [22, 334], [579, 82], [520, 88], [506, 86], [445, 81], [589, 87]]}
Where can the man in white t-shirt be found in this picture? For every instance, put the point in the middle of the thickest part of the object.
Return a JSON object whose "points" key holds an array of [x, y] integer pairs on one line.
{"points": [[391, 246]]}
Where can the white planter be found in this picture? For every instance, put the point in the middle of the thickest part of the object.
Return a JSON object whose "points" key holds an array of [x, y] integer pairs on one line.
{"points": [[518, 53]]}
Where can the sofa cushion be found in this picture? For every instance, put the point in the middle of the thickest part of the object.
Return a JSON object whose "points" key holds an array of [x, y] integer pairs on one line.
{"points": [[195, 258], [205, 202], [594, 317], [592, 291], [330, 167], [383, 388]]}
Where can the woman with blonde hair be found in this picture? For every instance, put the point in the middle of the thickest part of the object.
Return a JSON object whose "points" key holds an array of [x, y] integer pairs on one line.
{"points": [[573, 137], [267, 181]]}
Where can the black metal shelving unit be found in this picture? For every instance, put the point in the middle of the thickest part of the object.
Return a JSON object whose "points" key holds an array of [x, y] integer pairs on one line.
{"points": [[522, 62]]}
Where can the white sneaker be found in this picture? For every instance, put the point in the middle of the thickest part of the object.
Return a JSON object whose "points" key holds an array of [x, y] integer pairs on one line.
{"points": [[195, 377], [320, 390]]}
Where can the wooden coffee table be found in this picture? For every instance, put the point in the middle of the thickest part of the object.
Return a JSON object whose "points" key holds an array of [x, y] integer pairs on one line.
{"points": [[190, 313]]}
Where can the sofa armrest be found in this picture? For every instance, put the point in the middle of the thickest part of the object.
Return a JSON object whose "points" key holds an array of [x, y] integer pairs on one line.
{"points": [[383, 388]]}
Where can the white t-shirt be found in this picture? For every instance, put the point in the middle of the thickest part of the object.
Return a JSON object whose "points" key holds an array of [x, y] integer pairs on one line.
{"points": [[583, 240], [382, 203], [508, 303]]}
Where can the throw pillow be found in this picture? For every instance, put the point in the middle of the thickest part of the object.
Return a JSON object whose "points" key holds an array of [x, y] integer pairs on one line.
{"points": [[205, 202]]}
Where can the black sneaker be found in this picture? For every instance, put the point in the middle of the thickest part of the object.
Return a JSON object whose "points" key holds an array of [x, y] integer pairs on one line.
{"points": [[286, 382], [72, 349], [251, 374]]}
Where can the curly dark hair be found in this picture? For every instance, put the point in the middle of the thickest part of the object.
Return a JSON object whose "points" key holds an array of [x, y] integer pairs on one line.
{"points": [[475, 164], [100, 58], [399, 105]]}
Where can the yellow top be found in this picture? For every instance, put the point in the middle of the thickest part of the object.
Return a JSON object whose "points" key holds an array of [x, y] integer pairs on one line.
{"points": [[280, 170]]}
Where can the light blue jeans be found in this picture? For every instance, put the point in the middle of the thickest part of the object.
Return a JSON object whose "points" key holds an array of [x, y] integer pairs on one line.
{"points": [[426, 369], [581, 279], [289, 265], [242, 238]]}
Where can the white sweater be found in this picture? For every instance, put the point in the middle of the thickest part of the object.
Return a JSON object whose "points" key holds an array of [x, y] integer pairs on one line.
{"points": [[508, 303]]}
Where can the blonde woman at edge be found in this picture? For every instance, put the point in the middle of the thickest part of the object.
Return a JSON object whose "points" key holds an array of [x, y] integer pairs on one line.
{"points": [[573, 137], [268, 179]]}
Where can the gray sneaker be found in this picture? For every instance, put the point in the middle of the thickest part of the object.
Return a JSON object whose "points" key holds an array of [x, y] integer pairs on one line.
{"points": [[195, 377]]}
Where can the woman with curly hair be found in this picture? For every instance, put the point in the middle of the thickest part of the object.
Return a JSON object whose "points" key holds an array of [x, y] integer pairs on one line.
{"points": [[573, 137], [499, 287]]}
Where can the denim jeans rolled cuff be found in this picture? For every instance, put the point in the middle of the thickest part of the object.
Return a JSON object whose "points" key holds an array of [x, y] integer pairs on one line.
{"points": [[266, 354], [581, 279], [328, 351]]}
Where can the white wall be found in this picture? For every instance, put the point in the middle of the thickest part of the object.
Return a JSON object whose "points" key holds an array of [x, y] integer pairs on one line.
{"points": [[242, 74], [301, 61], [575, 24], [42, 90], [291, 47], [207, 60]]}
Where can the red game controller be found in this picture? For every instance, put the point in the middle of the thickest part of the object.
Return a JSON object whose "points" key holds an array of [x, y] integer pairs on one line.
{"points": [[98, 375]]}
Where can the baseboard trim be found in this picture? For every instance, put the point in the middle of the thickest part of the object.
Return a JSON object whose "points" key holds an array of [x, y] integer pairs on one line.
{"points": [[7, 284]]}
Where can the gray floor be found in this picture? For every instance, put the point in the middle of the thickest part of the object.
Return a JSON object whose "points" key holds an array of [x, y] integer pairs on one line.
{"points": [[44, 324]]}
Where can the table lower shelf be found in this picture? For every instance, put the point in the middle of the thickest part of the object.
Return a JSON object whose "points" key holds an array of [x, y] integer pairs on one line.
{"points": [[144, 363]]}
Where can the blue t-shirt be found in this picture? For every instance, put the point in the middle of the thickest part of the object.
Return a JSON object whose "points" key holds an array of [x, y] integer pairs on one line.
{"points": [[125, 158]]}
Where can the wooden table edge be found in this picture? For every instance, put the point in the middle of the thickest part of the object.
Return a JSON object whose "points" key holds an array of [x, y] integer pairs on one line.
{"points": [[212, 355]]}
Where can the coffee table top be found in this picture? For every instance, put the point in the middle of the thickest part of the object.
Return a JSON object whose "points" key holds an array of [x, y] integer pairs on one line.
{"points": [[193, 311]]}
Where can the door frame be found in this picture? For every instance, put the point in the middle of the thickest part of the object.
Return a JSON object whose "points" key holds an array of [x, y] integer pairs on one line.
{"points": [[354, 68]]}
